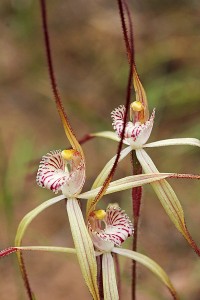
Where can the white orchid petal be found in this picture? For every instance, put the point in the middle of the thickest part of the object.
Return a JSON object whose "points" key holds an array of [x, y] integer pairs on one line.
{"points": [[84, 246], [118, 225], [54, 175], [150, 264], [126, 183], [104, 173], [51, 173], [118, 228], [166, 195], [76, 178], [117, 116], [109, 278], [174, 142], [136, 134]]}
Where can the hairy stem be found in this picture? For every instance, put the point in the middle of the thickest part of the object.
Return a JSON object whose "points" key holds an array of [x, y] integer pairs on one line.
{"points": [[25, 276], [99, 276], [136, 202]]}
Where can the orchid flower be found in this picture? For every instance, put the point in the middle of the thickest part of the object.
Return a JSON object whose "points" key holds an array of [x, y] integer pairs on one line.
{"points": [[108, 230], [64, 171], [137, 133]]}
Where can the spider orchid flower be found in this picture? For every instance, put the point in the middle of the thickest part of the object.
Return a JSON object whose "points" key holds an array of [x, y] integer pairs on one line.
{"points": [[64, 171], [137, 133], [108, 230]]}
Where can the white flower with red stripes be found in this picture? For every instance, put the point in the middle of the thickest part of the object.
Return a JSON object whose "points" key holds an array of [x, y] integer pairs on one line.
{"points": [[136, 133], [109, 228], [62, 171]]}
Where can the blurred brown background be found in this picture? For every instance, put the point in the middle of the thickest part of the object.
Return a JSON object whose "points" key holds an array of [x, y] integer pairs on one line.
{"points": [[91, 70]]}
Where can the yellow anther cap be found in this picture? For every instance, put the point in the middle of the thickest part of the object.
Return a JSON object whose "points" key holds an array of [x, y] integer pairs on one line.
{"points": [[100, 214], [67, 154], [137, 106]]}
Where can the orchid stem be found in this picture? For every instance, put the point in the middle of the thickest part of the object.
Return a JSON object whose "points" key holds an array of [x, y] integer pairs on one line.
{"points": [[99, 276], [25, 276], [136, 202]]}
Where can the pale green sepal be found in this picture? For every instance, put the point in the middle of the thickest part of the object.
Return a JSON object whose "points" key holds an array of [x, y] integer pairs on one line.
{"points": [[126, 183], [165, 194], [151, 265], [104, 173], [84, 246], [47, 249], [174, 142], [110, 290], [31, 215], [107, 134], [23, 226]]}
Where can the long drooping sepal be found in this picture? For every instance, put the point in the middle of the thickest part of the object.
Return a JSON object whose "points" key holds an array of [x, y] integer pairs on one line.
{"points": [[67, 127], [31, 215], [84, 246], [127, 183], [91, 204], [20, 233], [167, 198], [11, 250], [151, 265], [174, 142], [109, 279]]}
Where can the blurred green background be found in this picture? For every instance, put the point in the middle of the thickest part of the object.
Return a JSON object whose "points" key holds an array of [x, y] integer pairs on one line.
{"points": [[91, 70]]}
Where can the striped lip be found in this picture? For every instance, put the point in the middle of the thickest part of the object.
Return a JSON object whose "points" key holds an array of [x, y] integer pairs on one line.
{"points": [[118, 228], [57, 174], [136, 134]]}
